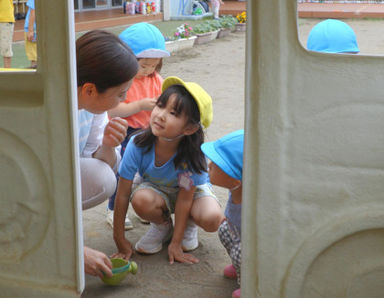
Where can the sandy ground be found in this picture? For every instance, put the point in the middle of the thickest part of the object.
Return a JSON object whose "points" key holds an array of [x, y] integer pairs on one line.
{"points": [[219, 68]]}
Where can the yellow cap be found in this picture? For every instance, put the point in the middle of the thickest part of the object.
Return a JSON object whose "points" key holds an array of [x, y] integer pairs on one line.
{"points": [[202, 98]]}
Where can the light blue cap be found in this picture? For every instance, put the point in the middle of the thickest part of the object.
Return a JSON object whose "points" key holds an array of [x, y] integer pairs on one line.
{"points": [[332, 36], [145, 40], [227, 153]]}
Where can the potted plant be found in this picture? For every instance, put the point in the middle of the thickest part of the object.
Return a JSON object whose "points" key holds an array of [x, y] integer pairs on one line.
{"points": [[205, 32], [182, 38], [242, 21], [227, 25]]}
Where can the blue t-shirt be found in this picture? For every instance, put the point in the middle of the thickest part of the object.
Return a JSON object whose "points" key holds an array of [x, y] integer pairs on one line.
{"points": [[30, 5], [137, 159], [233, 214]]}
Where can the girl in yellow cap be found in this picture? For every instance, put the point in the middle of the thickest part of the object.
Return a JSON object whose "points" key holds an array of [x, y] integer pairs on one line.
{"points": [[168, 157]]}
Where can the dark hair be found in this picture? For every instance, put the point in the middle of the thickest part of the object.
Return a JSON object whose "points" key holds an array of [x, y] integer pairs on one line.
{"points": [[189, 150], [158, 66], [104, 60]]}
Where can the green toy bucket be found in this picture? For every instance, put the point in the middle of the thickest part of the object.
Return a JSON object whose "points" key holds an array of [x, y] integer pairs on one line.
{"points": [[120, 269]]}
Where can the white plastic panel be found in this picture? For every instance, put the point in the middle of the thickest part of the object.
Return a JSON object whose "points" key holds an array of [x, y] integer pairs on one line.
{"points": [[314, 209], [40, 219]]}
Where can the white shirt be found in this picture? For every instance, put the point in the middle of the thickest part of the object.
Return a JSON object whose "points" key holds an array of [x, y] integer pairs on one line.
{"points": [[91, 131]]}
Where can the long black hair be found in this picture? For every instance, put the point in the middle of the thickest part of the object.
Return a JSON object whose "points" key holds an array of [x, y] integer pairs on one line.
{"points": [[104, 60], [189, 150]]}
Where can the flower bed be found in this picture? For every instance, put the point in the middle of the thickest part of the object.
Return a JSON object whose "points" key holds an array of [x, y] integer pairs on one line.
{"points": [[180, 44], [206, 37], [223, 32], [241, 27]]}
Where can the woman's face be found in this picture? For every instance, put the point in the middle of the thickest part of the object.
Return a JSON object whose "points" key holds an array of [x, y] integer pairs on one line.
{"points": [[97, 103]]}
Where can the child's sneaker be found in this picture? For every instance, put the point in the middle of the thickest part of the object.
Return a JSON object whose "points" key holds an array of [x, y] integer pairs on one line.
{"points": [[236, 293], [152, 241], [230, 272], [127, 224], [190, 240]]}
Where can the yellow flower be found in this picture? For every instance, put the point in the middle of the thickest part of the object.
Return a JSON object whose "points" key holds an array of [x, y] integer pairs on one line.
{"points": [[242, 17]]}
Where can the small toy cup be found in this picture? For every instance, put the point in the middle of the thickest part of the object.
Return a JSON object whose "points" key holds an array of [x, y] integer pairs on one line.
{"points": [[120, 269]]}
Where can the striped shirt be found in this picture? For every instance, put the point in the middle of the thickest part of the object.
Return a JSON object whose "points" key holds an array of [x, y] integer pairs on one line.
{"points": [[91, 131]]}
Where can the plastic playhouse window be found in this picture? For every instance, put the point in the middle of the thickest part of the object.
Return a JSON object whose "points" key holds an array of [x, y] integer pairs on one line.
{"points": [[337, 26], [23, 55]]}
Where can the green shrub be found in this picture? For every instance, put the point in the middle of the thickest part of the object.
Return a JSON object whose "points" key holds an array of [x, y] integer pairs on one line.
{"points": [[203, 28], [227, 21]]}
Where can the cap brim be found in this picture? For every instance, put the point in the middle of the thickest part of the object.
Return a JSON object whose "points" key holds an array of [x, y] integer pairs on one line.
{"points": [[153, 53], [210, 151], [170, 81]]}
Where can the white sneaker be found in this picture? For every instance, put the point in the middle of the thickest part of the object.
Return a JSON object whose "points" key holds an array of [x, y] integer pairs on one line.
{"points": [[190, 240], [152, 241], [127, 224]]}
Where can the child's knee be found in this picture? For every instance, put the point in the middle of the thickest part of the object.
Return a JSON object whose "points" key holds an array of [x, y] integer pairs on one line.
{"points": [[211, 222], [140, 202]]}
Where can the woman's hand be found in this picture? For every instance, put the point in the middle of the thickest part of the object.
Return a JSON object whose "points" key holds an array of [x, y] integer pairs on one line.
{"points": [[147, 104], [96, 263], [175, 253], [125, 249], [115, 132]]}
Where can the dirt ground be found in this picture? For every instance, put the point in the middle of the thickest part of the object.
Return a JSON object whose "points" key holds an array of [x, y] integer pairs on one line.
{"points": [[219, 68]]}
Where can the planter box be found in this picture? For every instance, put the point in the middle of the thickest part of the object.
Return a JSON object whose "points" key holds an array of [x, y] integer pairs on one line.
{"points": [[241, 26], [180, 44], [206, 37], [223, 32]]}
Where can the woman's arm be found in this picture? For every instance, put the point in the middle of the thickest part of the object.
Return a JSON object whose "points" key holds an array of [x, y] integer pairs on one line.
{"points": [[114, 133], [182, 213], [123, 194]]}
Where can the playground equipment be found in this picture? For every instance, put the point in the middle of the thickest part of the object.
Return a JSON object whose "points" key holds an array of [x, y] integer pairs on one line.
{"points": [[313, 211]]}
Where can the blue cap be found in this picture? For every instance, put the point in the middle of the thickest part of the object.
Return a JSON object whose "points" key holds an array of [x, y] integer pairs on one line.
{"points": [[332, 36], [145, 40], [227, 153]]}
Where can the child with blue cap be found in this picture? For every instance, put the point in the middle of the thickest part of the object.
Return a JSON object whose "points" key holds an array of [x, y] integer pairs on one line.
{"points": [[225, 170], [332, 36], [148, 45]]}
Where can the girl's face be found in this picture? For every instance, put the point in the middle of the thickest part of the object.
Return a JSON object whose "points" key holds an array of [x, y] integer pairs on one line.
{"points": [[93, 101], [166, 123], [218, 177], [147, 66]]}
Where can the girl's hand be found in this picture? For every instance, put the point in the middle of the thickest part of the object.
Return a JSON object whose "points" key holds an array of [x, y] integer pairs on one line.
{"points": [[96, 263], [115, 132], [147, 104], [30, 36], [175, 253], [125, 250]]}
